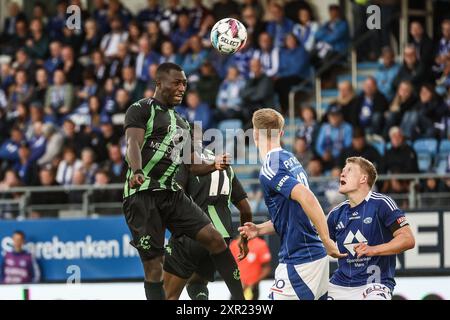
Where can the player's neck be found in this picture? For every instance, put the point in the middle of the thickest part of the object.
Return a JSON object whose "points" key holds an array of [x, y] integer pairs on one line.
{"points": [[358, 196], [265, 148]]}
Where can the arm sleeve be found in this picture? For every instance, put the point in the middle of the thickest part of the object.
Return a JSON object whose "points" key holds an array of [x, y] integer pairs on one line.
{"points": [[136, 117], [237, 191], [277, 178], [331, 226], [390, 215]]}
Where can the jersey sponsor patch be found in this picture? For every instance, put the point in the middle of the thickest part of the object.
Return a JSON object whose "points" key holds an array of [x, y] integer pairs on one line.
{"points": [[402, 221]]}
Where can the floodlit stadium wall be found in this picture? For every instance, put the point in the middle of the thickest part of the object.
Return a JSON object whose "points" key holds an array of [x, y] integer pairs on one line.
{"points": [[99, 249]]}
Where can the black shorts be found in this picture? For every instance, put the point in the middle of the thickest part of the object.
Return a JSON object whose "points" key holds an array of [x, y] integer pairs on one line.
{"points": [[148, 213], [185, 257]]}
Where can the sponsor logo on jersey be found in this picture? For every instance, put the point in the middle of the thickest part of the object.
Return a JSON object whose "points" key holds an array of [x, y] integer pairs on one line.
{"points": [[340, 226], [368, 220], [349, 241], [355, 216], [282, 181], [291, 162]]}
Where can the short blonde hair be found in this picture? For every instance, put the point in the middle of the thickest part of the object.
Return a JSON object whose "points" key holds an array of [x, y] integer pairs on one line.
{"points": [[367, 167], [268, 119]]}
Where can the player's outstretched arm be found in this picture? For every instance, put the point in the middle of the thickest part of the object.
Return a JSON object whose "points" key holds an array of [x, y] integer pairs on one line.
{"points": [[403, 240], [314, 211], [221, 162], [135, 139], [251, 230], [245, 213]]}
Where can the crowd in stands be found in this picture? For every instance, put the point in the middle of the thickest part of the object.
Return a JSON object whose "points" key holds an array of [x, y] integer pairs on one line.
{"points": [[64, 91]]}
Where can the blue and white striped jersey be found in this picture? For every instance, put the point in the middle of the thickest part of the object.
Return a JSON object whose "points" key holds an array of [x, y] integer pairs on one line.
{"points": [[280, 173], [373, 221]]}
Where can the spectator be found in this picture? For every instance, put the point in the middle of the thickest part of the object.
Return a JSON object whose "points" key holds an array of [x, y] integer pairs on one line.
{"points": [[279, 26], [386, 73], [41, 87], [255, 267], [400, 158], [196, 110], [332, 38], [422, 43], [37, 140], [241, 59], [15, 14], [100, 15], [347, 101], [194, 59], [134, 34], [117, 9], [306, 29], [415, 123], [59, 97], [267, 55], [72, 138], [111, 40], [108, 135], [168, 53], [19, 266], [24, 62], [90, 86], [198, 14], [53, 145], [123, 59], [302, 152], [208, 84], [68, 166], [144, 59], [10, 180], [443, 48], [258, 91], [18, 40], [205, 31], [122, 102], [371, 106], [404, 101], [102, 178], [115, 167], [225, 8], [57, 22], [309, 128], [37, 44], [26, 168], [228, 99], [170, 15], [293, 68], [412, 69], [92, 38], [76, 196], [253, 24], [72, 69], [99, 67], [73, 39], [150, 13], [21, 91], [315, 169], [183, 32], [52, 198], [130, 84], [360, 148], [6, 76], [156, 36], [333, 137], [9, 150], [54, 61], [88, 165]]}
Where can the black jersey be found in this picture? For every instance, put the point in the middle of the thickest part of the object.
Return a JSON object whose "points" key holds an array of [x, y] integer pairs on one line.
{"points": [[214, 193], [165, 134]]}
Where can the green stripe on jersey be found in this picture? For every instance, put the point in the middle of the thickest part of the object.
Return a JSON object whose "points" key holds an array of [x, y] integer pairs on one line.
{"points": [[164, 144], [217, 222]]}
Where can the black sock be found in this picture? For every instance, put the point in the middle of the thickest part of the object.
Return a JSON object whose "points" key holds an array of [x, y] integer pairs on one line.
{"points": [[154, 290], [228, 269], [198, 291]]}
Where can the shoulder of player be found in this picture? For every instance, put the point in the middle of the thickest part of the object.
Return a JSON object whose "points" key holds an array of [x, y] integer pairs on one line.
{"points": [[383, 200], [338, 208], [143, 105]]}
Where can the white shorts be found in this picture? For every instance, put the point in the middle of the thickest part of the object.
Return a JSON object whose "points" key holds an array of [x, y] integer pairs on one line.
{"points": [[371, 291], [308, 281]]}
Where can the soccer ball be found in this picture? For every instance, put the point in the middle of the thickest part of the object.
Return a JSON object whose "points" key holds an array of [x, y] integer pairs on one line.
{"points": [[228, 35]]}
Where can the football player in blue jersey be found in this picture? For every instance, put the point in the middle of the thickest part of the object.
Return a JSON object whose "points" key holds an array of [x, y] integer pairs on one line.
{"points": [[372, 230], [296, 216]]}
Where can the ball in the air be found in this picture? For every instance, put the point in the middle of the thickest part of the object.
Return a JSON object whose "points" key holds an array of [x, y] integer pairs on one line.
{"points": [[228, 35]]}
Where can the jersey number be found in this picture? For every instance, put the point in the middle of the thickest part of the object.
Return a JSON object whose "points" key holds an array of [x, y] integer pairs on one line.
{"points": [[301, 177], [214, 187]]}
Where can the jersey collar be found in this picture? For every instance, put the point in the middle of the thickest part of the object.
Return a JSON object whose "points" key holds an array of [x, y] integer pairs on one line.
{"points": [[368, 196], [276, 149]]}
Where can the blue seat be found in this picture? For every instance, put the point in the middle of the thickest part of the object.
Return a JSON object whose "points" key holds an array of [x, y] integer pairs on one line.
{"points": [[442, 158], [426, 150]]}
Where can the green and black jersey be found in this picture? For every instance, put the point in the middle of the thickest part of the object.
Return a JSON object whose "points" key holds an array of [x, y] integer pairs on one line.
{"points": [[166, 132], [214, 193]]}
